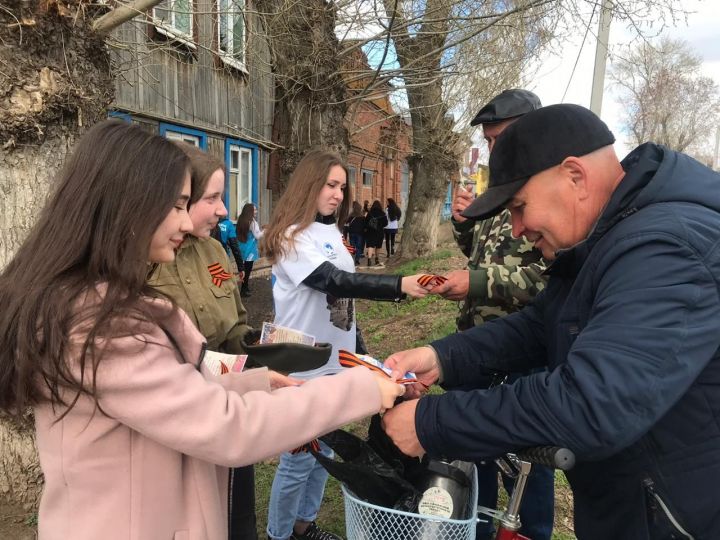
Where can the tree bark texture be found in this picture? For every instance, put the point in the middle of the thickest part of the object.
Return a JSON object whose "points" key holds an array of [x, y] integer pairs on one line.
{"points": [[25, 178], [21, 479], [55, 80], [309, 90]]}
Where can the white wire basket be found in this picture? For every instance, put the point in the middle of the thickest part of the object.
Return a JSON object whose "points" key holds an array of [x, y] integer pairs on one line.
{"points": [[365, 521]]}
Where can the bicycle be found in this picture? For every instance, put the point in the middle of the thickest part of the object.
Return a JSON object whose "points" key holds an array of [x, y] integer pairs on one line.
{"points": [[366, 521], [518, 466]]}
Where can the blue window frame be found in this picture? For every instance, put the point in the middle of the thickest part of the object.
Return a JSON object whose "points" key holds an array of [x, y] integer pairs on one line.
{"points": [[241, 178], [188, 135], [120, 115]]}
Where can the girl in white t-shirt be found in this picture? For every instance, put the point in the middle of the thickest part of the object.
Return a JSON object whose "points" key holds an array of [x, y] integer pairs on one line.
{"points": [[314, 286]]}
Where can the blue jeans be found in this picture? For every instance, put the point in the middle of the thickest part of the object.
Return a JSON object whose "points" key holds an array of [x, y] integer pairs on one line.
{"points": [[297, 492], [537, 509], [358, 242]]}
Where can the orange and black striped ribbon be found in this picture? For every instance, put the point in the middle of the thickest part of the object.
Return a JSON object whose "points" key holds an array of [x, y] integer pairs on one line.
{"points": [[218, 274], [349, 247], [350, 360], [314, 445], [432, 279]]}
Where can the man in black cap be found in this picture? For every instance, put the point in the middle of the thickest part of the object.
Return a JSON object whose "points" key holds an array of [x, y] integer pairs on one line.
{"points": [[629, 327], [503, 274]]}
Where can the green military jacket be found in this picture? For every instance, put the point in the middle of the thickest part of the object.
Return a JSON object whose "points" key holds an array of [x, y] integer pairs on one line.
{"points": [[213, 303], [505, 272]]}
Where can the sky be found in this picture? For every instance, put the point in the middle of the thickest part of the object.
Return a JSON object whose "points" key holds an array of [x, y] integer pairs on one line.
{"points": [[560, 80], [702, 32]]}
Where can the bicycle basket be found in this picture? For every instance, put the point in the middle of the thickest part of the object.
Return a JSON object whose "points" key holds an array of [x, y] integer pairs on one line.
{"points": [[365, 521]]}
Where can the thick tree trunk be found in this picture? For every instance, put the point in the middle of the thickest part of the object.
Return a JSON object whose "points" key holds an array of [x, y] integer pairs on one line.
{"points": [[55, 80], [309, 90], [21, 479], [435, 162], [425, 202], [25, 178]]}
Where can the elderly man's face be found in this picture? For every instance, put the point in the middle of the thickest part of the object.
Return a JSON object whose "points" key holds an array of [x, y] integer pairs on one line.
{"points": [[545, 210], [492, 131]]}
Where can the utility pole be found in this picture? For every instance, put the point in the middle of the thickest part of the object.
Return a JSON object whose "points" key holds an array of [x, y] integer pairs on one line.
{"points": [[601, 51], [716, 163]]}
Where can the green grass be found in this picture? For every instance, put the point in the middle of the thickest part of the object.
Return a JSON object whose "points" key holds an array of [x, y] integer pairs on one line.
{"points": [[421, 264]]}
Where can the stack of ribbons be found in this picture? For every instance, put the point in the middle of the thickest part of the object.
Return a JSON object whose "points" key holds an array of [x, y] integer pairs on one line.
{"points": [[350, 360], [431, 279]]}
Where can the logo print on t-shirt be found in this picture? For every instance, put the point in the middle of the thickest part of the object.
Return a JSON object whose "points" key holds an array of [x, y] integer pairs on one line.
{"points": [[342, 311], [329, 250]]}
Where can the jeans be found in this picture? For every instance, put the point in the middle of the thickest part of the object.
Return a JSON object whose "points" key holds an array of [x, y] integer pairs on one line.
{"points": [[537, 509], [297, 492], [358, 242]]}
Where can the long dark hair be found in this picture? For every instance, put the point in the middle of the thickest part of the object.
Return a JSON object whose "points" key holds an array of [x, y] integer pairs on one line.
{"points": [[75, 282], [245, 218], [394, 211], [298, 205]]}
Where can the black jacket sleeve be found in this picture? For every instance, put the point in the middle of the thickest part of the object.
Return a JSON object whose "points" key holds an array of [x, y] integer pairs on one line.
{"points": [[329, 279], [233, 244]]}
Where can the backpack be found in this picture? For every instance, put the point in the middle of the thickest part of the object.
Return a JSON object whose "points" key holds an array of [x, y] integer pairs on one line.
{"points": [[373, 223]]}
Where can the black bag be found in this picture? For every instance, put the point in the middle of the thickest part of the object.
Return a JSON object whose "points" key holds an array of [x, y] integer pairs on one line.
{"points": [[363, 471]]}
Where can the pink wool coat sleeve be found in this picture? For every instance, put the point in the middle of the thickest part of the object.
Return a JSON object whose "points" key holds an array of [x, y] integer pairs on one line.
{"points": [[154, 465]]}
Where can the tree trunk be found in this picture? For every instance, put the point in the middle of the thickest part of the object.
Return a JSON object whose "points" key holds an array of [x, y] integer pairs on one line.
{"points": [[55, 80], [422, 222], [21, 479], [432, 170], [25, 177], [309, 90]]}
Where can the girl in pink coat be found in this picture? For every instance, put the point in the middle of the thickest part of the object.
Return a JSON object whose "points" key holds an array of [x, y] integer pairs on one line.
{"points": [[134, 437]]}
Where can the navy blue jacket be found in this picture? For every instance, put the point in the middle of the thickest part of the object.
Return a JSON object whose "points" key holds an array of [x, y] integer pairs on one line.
{"points": [[629, 327]]}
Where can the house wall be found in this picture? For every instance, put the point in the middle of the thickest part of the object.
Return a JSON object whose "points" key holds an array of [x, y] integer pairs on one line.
{"points": [[161, 81], [379, 139], [379, 144]]}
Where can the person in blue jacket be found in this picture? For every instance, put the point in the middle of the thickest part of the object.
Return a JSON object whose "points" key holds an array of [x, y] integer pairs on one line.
{"points": [[226, 234], [628, 326]]}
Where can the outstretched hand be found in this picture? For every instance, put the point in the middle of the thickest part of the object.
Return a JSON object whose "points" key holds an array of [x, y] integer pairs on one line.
{"points": [[456, 287], [389, 391], [412, 287], [422, 361]]}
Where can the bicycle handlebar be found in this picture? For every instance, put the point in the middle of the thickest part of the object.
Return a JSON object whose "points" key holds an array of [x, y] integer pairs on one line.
{"points": [[554, 457]]}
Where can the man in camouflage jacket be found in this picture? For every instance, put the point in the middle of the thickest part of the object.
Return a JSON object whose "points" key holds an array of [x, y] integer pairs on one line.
{"points": [[503, 274]]}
